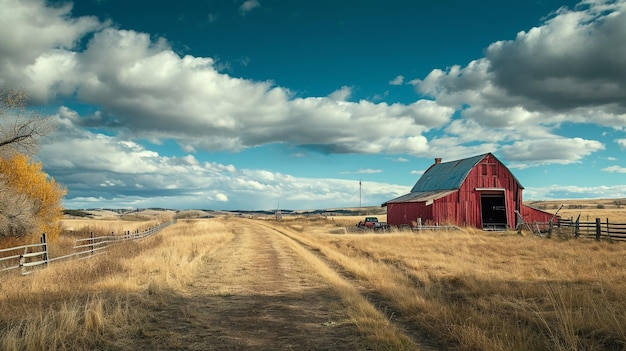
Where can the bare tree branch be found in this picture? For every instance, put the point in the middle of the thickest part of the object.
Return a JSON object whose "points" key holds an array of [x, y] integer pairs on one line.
{"points": [[20, 128]]}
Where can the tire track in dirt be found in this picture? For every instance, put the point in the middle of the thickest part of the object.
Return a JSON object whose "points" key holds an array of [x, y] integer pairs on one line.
{"points": [[255, 293], [375, 299]]}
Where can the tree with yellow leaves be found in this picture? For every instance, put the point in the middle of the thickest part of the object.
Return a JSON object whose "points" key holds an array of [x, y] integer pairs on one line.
{"points": [[32, 204], [30, 201]]}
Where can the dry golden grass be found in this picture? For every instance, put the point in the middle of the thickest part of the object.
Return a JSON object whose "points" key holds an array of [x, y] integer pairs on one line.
{"points": [[588, 209], [101, 301], [615, 215], [351, 221], [371, 322], [469, 290], [474, 290], [83, 227]]}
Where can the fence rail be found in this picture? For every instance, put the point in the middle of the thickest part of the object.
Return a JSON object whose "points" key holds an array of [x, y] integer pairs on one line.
{"points": [[34, 255], [597, 229]]}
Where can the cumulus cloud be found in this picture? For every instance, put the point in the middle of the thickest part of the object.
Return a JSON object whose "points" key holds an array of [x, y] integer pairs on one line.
{"points": [[614, 169], [513, 101], [146, 90], [342, 94], [572, 63], [570, 69], [555, 150], [221, 197], [574, 60], [248, 6], [556, 192], [143, 88], [398, 80], [109, 170]]}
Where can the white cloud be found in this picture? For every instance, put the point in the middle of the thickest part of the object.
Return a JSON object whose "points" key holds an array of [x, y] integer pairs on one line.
{"points": [[567, 70], [399, 159], [249, 5], [569, 64], [369, 171], [144, 89], [364, 171], [556, 192], [221, 197], [398, 80], [556, 150], [114, 172], [614, 169], [342, 94]]}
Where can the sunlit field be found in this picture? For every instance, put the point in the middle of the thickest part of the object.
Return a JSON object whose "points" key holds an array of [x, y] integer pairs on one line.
{"points": [[588, 210], [103, 300], [476, 290], [463, 290]]}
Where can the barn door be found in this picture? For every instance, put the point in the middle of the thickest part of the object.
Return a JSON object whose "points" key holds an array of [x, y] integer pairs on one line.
{"points": [[493, 211]]}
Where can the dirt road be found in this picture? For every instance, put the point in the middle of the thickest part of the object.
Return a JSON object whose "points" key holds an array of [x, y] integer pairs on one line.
{"points": [[255, 293]]}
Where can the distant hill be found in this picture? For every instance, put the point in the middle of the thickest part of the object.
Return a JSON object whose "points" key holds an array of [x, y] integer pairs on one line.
{"points": [[577, 203]]}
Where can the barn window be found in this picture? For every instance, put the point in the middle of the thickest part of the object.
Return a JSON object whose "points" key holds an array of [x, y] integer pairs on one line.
{"points": [[484, 168]]}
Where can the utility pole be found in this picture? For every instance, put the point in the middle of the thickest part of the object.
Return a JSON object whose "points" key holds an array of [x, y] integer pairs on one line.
{"points": [[359, 193]]}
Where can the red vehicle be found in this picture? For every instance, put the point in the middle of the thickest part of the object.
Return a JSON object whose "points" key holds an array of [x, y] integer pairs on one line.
{"points": [[372, 223]]}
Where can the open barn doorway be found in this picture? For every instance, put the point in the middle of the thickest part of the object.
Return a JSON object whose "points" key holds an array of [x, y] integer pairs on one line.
{"points": [[493, 211]]}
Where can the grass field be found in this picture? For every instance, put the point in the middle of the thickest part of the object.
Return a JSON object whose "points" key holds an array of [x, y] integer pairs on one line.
{"points": [[491, 291], [587, 209], [100, 302], [464, 290]]}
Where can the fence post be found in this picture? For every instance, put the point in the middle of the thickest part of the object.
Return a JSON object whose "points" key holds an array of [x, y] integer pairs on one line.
{"points": [[549, 228], [44, 248], [92, 243], [22, 261], [598, 229], [608, 232], [577, 227]]}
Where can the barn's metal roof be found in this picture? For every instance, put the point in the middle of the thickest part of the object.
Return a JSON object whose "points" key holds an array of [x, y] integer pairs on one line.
{"points": [[420, 196], [441, 179], [446, 175]]}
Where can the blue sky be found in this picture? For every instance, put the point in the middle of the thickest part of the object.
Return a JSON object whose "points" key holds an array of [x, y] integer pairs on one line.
{"points": [[264, 103]]}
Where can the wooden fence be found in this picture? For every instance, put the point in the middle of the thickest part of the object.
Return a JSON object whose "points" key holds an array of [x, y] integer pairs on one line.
{"points": [[598, 229], [26, 257], [421, 227]]}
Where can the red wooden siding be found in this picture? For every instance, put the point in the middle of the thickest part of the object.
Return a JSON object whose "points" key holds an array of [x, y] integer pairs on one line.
{"points": [[407, 213], [531, 215], [463, 207]]}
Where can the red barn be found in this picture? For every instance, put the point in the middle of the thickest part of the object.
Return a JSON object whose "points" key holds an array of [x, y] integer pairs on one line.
{"points": [[478, 191]]}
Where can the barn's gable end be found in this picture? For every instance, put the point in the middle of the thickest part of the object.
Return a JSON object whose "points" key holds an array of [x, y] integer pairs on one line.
{"points": [[478, 191]]}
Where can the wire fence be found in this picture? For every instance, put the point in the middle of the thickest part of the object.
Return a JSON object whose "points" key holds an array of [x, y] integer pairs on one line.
{"points": [[27, 257]]}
